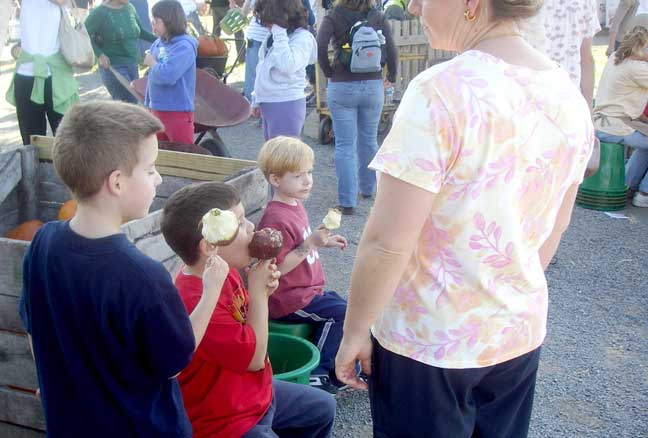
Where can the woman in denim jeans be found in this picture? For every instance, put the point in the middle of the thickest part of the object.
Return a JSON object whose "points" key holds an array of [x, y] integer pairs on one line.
{"points": [[621, 97], [115, 30], [355, 99]]}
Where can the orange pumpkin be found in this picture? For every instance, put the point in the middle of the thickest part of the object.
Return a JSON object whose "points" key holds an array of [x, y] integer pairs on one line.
{"points": [[211, 46], [25, 231], [67, 210]]}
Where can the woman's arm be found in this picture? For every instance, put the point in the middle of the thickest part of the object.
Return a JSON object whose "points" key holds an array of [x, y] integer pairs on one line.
{"points": [[392, 51], [290, 56], [615, 23], [324, 34], [549, 248], [386, 246]]}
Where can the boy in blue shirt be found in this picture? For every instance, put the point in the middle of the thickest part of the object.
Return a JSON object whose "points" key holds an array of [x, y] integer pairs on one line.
{"points": [[109, 332]]}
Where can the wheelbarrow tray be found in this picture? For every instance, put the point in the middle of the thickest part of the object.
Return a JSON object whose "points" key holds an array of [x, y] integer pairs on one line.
{"points": [[216, 104]]}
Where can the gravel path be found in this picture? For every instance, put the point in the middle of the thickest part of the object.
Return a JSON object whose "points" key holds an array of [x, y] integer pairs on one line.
{"points": [[593, 379]]}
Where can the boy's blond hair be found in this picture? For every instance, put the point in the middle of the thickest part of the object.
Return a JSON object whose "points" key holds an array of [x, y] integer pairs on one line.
{"points": [[95, 138], [284, 154]]}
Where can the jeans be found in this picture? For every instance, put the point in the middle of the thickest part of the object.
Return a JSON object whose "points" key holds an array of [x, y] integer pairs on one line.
{"points": [[355, 110], [637, 166], [296, 411], [194, 19], [117, 90], [251, 61]]}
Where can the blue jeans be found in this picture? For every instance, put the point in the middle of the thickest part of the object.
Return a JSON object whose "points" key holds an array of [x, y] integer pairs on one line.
{"points": [[296, 411], [251, 61], [117, 90], [637, 166], [355, 110]]}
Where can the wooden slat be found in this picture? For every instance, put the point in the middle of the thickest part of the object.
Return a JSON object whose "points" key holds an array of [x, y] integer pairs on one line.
{"points": [[18, 368], [11, 255], [8, 430], [28, 187], [172, 163], [21, 408], [10, 173], [9, 316]]}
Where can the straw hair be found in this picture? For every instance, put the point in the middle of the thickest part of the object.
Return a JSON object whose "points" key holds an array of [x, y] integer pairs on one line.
{"points": [[515, 9], [96, 138], [284, 154], [633, 44]]}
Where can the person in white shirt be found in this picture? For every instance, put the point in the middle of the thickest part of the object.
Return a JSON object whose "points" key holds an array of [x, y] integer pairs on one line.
{"points": [[281, 73], [620, 23], [564, 30], [191, 9], [255, 35]]}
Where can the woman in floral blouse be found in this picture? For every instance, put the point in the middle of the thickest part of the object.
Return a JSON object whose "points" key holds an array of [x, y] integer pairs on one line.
{"points": [[477, 180]]}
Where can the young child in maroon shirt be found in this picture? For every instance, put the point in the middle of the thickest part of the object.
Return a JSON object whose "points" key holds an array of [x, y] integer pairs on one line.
{"points": [[287, 164], [228, 389]]}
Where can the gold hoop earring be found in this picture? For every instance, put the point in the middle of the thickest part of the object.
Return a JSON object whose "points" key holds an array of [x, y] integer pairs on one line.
{"points": [[469, 17]]}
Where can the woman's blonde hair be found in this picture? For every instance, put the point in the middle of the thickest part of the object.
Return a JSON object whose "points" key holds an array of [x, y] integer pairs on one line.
{"points": [[633, 43], [515, 9]]}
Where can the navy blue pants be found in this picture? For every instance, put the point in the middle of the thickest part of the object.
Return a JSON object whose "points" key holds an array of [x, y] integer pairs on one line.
{"points": [[296, 411], [326, 312], [411, 399]]}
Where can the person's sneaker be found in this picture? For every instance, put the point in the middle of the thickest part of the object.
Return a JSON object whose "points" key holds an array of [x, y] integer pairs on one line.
{"points": [[323, 383], [640, 200], [347, 211]]}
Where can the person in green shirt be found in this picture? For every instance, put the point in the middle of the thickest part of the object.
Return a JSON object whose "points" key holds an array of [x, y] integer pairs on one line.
{"points": [[115, 31]]}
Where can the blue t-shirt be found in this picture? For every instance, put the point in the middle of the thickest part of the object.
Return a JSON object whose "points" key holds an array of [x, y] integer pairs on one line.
{"points": [[109, 330]]}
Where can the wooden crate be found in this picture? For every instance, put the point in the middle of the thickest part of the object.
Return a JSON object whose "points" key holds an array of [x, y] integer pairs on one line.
{"points": [[30, 189]]}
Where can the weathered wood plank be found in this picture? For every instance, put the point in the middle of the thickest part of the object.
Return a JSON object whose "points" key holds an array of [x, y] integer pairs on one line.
{"points": [[172, 163], [8, 430], [9, 316], [28, 187], [11, 255], [21, 408], [10, 173], [16, 361], [9, 212], [51, 188], [253, 188]]}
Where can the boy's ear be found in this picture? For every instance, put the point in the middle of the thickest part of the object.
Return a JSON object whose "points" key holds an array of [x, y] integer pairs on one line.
{"points": [[205, 247], [113, 182], [274, 179]]}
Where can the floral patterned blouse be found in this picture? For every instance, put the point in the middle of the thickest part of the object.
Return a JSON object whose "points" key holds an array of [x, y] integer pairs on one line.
{"points": [[499, 145]]}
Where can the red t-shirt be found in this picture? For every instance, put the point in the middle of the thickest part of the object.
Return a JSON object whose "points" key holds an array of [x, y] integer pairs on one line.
{"points": [[297, 287], [222, 398]]}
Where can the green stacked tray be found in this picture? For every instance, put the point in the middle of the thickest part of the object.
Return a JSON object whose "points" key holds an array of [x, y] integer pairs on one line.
{"points": [[606, 189]]}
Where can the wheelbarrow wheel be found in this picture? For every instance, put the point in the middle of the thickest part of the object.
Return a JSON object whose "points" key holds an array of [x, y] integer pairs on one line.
{"points": [[384, 125], [326, 135], [217, 147], [15, 51]]}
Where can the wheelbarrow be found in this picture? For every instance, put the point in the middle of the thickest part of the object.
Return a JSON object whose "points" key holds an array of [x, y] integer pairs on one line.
{"points": [[216, 106]]}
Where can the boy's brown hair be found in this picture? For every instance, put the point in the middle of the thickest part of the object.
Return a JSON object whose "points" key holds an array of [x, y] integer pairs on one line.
{"points": [[97, 137], [284, 154], [184, 210]]}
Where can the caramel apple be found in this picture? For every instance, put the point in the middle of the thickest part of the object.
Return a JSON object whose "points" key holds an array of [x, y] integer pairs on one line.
{"points": [[266, 244]]}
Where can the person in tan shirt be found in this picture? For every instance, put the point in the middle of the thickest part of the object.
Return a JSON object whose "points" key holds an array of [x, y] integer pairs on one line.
{"points": [[621, 98], [620, 23]]}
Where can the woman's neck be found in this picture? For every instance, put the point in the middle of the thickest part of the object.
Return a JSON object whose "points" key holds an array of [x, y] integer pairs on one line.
{"points": [[115, 4]]}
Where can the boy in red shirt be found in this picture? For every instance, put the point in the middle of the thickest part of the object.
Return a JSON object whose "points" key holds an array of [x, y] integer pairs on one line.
{"points": [[228, 389], [287, 164]]}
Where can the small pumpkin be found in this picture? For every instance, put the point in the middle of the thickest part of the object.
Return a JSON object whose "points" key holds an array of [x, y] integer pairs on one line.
{"points": [[25, 231], [211, 46], [67, 210]]}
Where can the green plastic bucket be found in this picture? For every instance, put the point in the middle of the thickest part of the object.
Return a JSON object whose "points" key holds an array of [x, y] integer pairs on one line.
{"points": [[233, 22], [304, 331], [610, 177], [292, 358]]}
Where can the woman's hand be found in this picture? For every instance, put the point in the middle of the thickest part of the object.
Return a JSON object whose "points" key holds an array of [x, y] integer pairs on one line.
{"points": [[350, 351], [104, 61]]}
